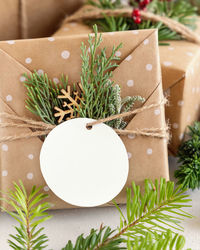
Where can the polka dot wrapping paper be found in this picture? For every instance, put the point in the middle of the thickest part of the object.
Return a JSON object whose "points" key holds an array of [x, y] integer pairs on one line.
{"points": [[33, 18], [148, 157], [180, 64]]}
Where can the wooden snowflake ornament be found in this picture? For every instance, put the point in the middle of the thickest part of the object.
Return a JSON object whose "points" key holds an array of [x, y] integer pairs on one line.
{"points": [[70, 105]]}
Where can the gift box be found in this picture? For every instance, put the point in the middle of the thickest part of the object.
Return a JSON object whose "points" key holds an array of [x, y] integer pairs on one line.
{"points": [[180, 72], [32, 18], [57, 55]]}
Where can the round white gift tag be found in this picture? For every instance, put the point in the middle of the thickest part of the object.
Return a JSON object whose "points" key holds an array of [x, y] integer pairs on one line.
{"points": [[84, 167]]}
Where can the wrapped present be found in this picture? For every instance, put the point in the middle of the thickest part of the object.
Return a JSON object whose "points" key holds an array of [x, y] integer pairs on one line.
{"points": [[180, 73], [32, 18], [61, 55]]}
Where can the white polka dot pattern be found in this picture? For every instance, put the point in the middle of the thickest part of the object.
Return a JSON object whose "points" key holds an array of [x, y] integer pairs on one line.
{"points": [[51, 39], [132, 136], [128, 58], [22, 78], [40, 72], [129, 155], [30, 176], [4, 173], [9, 98], [118, 53], [157, 111], [149, 151], [46, 188], [31, 156], [56, 80], [65, 54], [28, 60], [149, 67], [4, 147], [11, 42], [130, 83], [175, 125], [146, 41], [167, 63]]}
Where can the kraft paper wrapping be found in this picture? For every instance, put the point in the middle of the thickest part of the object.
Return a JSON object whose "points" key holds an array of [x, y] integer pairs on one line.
{"points": [[147, 155], [180, 64], [33, 18]]}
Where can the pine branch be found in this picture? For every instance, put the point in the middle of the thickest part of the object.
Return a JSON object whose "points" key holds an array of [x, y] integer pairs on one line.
{"points": [[148, 217], [188, 173], [30, 212]]}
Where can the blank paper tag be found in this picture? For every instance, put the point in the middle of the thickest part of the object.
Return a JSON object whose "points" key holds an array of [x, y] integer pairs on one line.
{"points": [[84, 167]]}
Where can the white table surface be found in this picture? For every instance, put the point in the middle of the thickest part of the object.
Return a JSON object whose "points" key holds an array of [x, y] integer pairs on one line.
{"points": [[68, 224]]}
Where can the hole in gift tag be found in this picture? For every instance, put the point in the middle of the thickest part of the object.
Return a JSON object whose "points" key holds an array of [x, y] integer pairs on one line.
{"points": [[84, 167]]}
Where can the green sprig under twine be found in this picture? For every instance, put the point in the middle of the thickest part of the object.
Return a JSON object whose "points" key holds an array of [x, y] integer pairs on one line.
{"points": [[179, 10], [101, 96]]}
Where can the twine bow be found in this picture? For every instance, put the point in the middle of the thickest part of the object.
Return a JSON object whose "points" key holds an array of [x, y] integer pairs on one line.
{"points": [[40, 128], [90, 12]]}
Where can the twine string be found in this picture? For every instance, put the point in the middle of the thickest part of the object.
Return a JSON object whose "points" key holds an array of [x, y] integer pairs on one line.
{"points": [[90, 12], [41, 128]]}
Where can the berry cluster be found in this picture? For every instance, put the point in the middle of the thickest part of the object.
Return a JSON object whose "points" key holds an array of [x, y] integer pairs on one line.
{"points": [[136, 12]]}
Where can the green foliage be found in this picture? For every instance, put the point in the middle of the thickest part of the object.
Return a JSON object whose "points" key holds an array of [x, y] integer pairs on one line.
{"points": [[95, 239], [102, 98], [159, 241], [146, 222], [30, 212], [179, 10], [188, 173], [42, 95], [105, 4]]}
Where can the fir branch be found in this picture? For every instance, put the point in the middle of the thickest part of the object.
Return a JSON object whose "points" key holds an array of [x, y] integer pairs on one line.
{"points": [[42, 95], [188, 173], [30, 212], [102, 97], [148, 217]]}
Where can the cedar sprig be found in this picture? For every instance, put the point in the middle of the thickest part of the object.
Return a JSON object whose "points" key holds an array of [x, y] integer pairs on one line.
{"points": [[188, 173], [179, 10], [29, 211], [146, 223], [102, 97], [43, 94]]}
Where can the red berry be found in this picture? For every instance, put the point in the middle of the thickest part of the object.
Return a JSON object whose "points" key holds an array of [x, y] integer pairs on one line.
{"points": [[136, 13], [146, 2], [137, 20]]}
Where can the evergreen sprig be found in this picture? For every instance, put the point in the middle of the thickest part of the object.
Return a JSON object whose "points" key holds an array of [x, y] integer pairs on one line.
{"points": [[102, 97], [188, 173], [43, 94], [29, 211], [105, 4], [179, 10], [146, 222], [149, 222]]}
